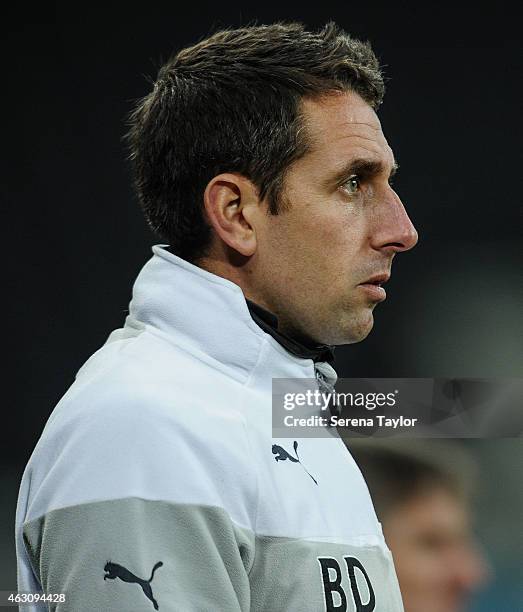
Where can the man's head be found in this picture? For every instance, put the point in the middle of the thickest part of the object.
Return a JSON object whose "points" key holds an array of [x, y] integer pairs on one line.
{"points": [[259, 156], [422, 503]]}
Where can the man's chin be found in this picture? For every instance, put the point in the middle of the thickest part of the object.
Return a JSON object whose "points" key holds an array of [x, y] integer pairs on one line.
{"points": [[354, 330], [362, 331]]}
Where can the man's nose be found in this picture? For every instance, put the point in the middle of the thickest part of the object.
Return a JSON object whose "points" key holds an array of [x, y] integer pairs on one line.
{"points": [[393, 231], [472, 569]]}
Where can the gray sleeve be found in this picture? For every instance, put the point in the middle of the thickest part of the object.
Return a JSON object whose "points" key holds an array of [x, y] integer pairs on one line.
{"points": [[140, 555]]}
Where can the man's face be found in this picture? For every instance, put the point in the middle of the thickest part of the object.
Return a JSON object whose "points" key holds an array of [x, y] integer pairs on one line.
{"points": [[323, 258], [436, 561]]}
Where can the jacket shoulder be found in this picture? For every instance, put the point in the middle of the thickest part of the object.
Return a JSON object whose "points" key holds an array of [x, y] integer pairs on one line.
{"points": [[135, 428]]}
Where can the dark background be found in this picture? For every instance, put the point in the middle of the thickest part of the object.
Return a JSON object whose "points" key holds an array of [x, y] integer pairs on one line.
{"points": [[74, 238]]}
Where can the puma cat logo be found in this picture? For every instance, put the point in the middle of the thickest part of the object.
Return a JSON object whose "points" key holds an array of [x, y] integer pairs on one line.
{"points": [[281, 455], [118, 571]]}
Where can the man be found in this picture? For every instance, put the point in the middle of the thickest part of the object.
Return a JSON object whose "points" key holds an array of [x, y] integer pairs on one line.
{"points": [[260, 159], [421, 497]]}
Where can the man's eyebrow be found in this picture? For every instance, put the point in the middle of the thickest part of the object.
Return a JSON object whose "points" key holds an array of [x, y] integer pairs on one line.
{"points": [[366, 168]]}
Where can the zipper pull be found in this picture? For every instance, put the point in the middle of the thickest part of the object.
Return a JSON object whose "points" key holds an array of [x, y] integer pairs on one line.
{"points": [[326, 378]]}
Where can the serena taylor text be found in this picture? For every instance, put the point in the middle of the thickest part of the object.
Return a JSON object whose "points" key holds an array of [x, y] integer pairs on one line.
{"points": [[336, 421]]}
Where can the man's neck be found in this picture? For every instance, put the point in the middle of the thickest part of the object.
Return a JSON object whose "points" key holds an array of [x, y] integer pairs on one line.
{"points": [[238, 273], [262, 313], [303, 347]]}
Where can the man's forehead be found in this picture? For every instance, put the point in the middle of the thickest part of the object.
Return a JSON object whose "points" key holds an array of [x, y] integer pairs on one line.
{"points": [[339, 109], [344, 120]]}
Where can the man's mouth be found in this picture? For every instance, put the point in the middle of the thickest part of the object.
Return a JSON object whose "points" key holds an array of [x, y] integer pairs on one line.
{"points": [[373, 288]]}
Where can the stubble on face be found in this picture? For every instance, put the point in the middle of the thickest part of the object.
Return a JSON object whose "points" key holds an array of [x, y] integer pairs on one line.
{"points": [[317, 252]]}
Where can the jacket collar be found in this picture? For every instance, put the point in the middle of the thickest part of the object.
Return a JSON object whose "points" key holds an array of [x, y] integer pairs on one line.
{"points": [[306, 349], [208, 316]]}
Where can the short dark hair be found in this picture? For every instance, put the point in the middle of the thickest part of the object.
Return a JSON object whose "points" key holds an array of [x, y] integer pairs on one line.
{"points": [[231, 103], [397, 470]]}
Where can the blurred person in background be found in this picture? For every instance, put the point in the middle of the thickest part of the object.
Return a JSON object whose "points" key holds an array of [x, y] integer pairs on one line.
{"points": [[422, 493]]}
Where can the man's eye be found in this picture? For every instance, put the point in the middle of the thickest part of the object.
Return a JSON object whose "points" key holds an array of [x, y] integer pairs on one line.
{"points": [[352, 184]]}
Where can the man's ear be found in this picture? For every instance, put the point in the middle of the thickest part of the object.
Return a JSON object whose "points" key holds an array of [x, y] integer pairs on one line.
{"points": [[232, 205]]}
